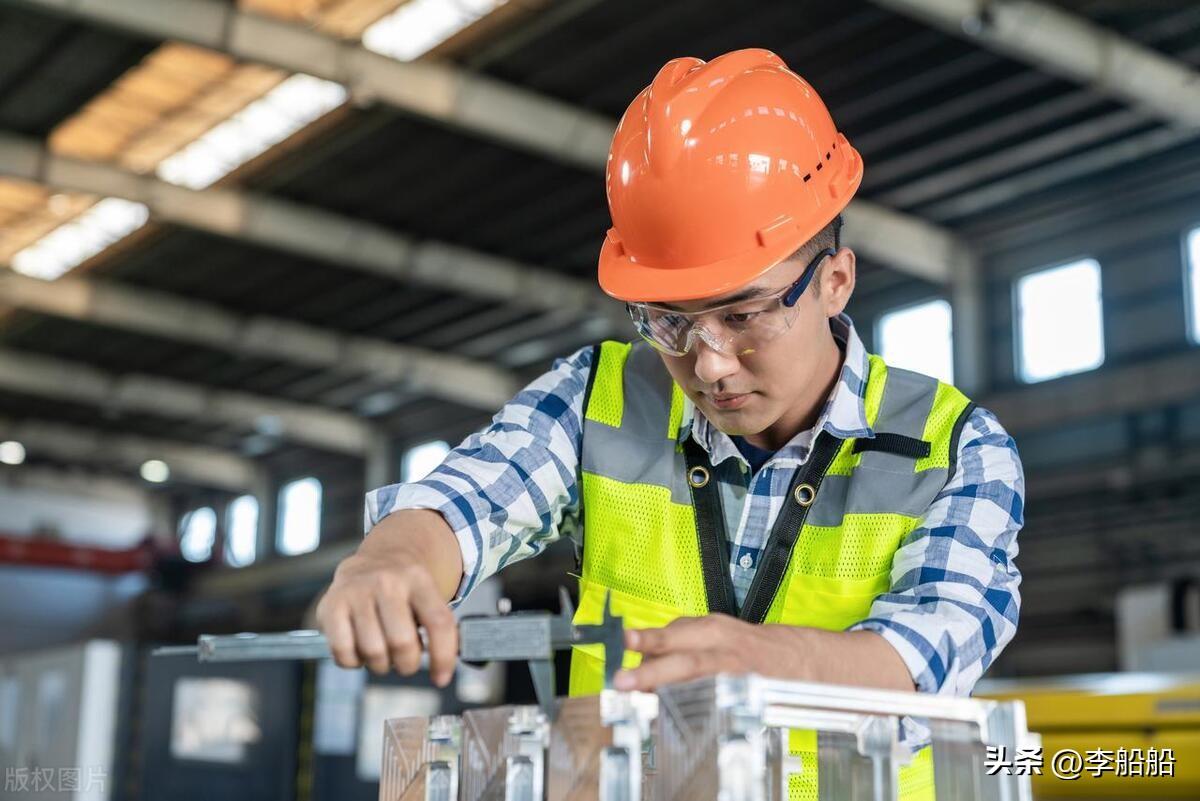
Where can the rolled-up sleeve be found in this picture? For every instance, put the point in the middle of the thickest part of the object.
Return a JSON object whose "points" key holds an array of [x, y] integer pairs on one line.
{"points": [[511, 489], [954, 600]]}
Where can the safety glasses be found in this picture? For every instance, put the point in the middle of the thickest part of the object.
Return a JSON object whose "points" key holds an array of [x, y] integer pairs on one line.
{"points": [[737, 328]]}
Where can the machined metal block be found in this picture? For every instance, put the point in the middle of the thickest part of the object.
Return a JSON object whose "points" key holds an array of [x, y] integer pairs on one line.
{"points": [[504, 754], [421, 759], [726, 738], [745, 738], [708, 744], [600, 748]]}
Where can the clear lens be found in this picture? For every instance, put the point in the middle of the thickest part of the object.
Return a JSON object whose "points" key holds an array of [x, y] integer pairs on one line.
{"points": [[736, 328]]}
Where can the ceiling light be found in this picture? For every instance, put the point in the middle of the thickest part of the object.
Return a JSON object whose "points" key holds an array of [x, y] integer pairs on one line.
{"points": [[12, 453], [275, 116], [155, 471], [73, 243], [421, 25]]}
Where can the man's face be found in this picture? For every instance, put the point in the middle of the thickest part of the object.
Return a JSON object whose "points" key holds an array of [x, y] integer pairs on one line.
{"points": [[743, 395]]}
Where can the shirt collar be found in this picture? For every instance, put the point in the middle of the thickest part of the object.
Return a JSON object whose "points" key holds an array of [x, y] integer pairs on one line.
{"points": [[843, 416]]}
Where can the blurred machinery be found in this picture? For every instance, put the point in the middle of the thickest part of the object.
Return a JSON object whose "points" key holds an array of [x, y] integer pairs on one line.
{"points": [[105, 721], [61, 714]]}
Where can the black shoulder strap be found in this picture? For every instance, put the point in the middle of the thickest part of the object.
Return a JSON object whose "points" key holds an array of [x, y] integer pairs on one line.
{"points": [[591, 380], [710, 531], [778, 551]]}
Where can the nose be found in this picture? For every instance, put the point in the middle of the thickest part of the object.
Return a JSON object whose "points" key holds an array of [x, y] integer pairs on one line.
{"points": [[711, 364]]}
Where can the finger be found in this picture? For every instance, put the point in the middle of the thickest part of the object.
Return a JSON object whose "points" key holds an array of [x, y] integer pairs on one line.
{"points": [[441, 634], [669, 669], [335, 622], [369, 639], [400, 633], [686, 633]]}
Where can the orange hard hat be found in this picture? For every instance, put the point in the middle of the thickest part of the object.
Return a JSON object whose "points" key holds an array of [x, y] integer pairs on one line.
{"points": [[717, 172]]}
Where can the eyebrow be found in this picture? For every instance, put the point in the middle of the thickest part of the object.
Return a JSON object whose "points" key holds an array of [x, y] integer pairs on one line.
{"points": [[746, 294]]}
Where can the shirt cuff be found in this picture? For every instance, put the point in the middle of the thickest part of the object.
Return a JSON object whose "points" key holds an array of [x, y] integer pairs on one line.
{"points": [[384, 501], [922, 660], [915, 733]]}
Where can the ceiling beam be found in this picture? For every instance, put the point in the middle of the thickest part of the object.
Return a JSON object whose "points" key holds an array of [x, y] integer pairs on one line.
{"points": [[312, 233], [433, 90], [1071, 47], [1088, 162], [472, 383], [1109, 391], [451, 96], [189, 463], [76, 382], [912, 245]]}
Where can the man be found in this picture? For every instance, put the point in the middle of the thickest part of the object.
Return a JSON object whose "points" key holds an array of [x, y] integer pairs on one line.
{"points": [[850, 522]]}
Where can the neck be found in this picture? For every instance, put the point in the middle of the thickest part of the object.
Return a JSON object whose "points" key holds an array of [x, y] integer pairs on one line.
{"points": [[803, 414]]}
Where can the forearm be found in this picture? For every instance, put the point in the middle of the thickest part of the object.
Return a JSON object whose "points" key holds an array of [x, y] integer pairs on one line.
{"points": [[858, 658], [692, 647], [421, 536]]}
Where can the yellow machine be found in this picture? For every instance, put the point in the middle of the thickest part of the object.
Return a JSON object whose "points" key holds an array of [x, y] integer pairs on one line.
{"points": [[1097, 715]]}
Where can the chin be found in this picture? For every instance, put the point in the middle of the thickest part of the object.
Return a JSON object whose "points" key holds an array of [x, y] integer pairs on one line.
{"points": [[735, 423]]}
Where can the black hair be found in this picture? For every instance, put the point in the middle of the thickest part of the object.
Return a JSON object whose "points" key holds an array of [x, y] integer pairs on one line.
{"points": [[828, 237]]}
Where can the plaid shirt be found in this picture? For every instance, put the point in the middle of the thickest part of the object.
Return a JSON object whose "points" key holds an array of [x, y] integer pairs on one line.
{"points": [[513, 488]]}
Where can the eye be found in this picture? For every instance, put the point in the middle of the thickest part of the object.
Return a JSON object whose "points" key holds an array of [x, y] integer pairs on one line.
{"points": [[740, 318]]}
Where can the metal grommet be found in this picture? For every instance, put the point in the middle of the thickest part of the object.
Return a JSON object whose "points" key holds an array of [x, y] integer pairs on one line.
{"points": [[697, 477], [805, 494]]}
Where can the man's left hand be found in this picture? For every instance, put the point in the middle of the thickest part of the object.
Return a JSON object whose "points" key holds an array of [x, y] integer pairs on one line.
{"points": [[694, 647]]}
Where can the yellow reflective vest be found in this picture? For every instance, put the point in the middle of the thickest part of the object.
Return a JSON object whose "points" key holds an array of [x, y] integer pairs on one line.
{"points": [[653, 532]]}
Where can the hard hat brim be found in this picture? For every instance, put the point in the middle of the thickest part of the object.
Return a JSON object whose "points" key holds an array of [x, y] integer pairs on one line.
{"points": [[624, 279]]}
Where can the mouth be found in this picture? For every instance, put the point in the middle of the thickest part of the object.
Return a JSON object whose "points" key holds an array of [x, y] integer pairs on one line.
{"points": [[727, 401]]}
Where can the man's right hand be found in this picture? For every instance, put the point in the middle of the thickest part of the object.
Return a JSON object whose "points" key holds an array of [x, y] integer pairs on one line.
{"points": [[401, 577]]}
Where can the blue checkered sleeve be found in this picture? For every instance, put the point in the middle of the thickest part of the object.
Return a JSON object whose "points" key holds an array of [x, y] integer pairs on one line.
{"points": [[511, 489], [954, 598]]}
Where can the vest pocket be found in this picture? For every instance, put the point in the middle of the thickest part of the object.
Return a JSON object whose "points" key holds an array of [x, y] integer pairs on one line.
{"points": [[833, 604]]}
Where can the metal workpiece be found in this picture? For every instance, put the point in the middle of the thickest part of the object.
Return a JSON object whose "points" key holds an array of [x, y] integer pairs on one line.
{"points": [[624, 764], [600, 747], [960, 756], [421, 759], [504, 754], [709, 742], [739, 738]]}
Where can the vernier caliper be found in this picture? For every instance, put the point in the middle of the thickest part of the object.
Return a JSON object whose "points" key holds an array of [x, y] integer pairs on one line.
{"points": [[532, 637]]}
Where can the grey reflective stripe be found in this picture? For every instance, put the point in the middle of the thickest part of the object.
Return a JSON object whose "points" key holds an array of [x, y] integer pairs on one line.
{"points": [[640, 451], [907, 400], [647, 390], [612, 453], [886, 483], [870, 492]]}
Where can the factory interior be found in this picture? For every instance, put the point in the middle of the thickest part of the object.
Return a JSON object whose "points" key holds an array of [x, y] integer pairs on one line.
{"points": [[259, 258]]}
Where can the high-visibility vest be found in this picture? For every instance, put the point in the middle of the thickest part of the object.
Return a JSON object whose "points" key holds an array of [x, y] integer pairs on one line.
{"points": [[652, 533]]}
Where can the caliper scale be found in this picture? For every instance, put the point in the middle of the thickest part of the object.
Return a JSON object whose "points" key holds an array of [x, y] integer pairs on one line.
{"points": [[531, 637]]}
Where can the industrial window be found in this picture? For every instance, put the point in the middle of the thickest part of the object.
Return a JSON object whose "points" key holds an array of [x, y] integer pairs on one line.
{"points": [[299, 517], [1193, 283], [197, 532], [420, 460], [241, 540], [919, 338], [1060, 322]]}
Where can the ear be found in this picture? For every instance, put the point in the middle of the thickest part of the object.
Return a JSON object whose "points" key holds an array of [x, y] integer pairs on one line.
{"points": [[837, 282]]}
